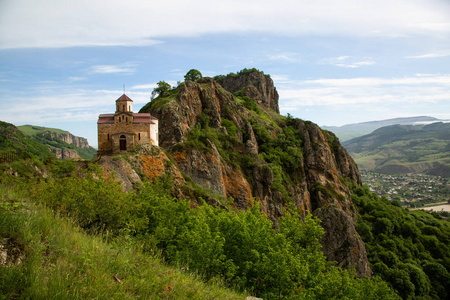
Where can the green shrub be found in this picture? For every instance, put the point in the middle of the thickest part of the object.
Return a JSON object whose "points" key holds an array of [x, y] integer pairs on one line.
{"points": [[411, 245]]}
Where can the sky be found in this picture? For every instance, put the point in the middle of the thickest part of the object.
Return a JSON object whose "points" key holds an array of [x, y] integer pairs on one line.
{"points": [[64, 62]]}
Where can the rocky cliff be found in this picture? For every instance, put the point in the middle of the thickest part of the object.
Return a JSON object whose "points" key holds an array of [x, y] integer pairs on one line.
{"points": [[69, 138], [65, 153], [253, 84], [239, 147], [62, 143]]}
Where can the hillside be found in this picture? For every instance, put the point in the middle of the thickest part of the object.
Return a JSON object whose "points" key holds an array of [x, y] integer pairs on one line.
{"points": [[62, 143], [43, 256], [401, 149], [14, 140], [350, 131], [288, 217]]}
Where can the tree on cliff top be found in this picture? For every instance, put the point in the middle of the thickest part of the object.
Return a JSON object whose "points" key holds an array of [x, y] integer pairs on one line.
{"points": [[161, 88], [193, 75]]}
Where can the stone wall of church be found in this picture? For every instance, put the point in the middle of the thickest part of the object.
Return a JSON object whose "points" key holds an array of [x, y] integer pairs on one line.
{"points": [[136, 134]]}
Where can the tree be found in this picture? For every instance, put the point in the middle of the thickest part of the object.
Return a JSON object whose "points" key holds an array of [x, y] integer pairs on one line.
{"points": [[193, 75], [161, 89]]}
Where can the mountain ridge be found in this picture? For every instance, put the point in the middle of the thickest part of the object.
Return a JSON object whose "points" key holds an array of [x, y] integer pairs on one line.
{"points": [[404, 149], [353, 130]]}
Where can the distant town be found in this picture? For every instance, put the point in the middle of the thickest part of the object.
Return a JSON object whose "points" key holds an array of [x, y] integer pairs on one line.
{"points": [[412, 190]]}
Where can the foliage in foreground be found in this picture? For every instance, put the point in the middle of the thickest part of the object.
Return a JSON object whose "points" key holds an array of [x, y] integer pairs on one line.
{"points": [[410, 250], [236, 247], [48, 257]]}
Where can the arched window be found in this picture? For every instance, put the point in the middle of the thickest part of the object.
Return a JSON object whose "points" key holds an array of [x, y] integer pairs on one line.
{"points": [[139, 136], [126, 119], [108, 136]]}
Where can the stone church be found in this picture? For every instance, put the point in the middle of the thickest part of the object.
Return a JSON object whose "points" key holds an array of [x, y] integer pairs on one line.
{"points": [[121, 131]]}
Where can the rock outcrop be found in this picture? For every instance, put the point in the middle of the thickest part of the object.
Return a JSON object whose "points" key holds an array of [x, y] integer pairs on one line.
{"points": [[75, 140], [65, 153], [321, 176], [255, 85], [68, 138], [341, 242], [65, 145], [147, 163]]}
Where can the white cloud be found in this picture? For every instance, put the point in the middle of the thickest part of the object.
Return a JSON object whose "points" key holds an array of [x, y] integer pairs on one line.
{"points": [[331, 92], [277, 78], [111, 69], [149, 86], [76, 78], [55, 23], [286, 57], [346, 62], [430, 55]]}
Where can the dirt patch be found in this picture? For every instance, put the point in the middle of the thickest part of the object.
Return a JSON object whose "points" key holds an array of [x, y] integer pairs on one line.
{"points": [[11, 251]]}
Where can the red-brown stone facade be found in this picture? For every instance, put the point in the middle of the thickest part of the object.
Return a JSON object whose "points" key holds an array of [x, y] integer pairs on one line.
{"points": [[123, 130]]}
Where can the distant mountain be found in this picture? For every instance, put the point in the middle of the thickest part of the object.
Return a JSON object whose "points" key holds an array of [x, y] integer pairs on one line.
{"points": [[62, 143], [350, 131], [398, 149]]}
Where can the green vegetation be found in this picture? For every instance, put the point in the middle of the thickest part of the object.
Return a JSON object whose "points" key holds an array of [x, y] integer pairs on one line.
{"points": [[410, 250], [32, 130], [49, 257], [162, 88], [283, 153], [161, 100], [129, 231], [245, 71], [49, 138], [202, 135], [193, 75], [400, 149], [13, 140]]}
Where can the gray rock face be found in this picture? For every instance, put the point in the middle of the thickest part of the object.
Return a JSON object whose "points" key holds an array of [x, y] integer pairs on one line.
{"points": [[65, 153], [341, 242], [321, 174], [70, 139], [257, 86]]}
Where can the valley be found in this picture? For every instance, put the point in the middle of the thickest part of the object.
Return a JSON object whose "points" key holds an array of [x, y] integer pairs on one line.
{"points": [[412, 190]]}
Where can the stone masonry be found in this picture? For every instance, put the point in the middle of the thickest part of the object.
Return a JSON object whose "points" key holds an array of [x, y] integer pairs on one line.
{"points": [[122, 131]]}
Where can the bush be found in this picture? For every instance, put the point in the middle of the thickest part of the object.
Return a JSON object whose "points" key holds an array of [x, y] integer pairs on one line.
{"points": [[409, 251]]}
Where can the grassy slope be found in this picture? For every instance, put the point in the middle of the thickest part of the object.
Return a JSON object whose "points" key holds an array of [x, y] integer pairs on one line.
{"points": [[34, 130], [13, 140], [59, 260], [419, 149]]}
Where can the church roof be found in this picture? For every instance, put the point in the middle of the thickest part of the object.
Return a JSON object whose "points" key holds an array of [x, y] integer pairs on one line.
{"points": [[124, 98], [106, 119], [143, 118], [137, 118]]}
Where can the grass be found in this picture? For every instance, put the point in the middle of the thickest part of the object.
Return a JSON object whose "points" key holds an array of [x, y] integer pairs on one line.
{"points": [[34, 130], [58, 260]]}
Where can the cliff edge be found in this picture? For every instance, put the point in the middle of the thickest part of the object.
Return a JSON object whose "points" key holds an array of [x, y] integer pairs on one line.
{"points": [[231, 140]]}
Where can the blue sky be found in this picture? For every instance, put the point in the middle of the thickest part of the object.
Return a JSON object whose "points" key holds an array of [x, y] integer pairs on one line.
{"points": [[62, 63]]}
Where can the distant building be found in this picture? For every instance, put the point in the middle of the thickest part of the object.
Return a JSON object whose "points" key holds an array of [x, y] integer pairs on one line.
{"points": [[121, 131]]}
